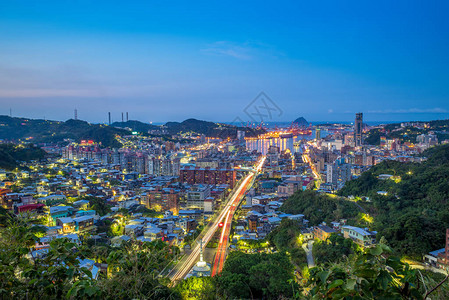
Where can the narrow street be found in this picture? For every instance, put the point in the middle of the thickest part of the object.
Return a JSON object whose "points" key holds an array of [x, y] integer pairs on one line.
{"points": [[308, 249]]}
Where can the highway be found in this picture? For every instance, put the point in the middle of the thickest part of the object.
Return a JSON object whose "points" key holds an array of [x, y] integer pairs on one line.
{"points": [[222, 247], [188, 261]]}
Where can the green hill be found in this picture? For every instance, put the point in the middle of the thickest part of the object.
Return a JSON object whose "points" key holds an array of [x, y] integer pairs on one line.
{"points": [[136, 126], [210, 129], [11, 154], [413, 216], [45, 131]]}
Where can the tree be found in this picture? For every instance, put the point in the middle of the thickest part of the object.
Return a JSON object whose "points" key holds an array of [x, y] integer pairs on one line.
{"points": [[57, 274], [334, 249], [371, 275], [197, 288], [133, 271], [99, 205], [50, 277], [256, 276]]}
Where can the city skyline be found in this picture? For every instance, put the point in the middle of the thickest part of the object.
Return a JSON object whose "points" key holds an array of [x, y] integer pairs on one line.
{"points": [[208, 61]]}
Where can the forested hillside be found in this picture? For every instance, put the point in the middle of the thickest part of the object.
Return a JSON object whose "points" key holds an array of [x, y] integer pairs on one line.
{"points": [[11, 154], [319, 208], [414, 215], [46, 131], [210, 129]]}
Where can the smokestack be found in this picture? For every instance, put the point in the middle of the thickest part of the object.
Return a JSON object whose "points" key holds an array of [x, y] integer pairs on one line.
{"points": [[76, 114], [122, 117], [126, 116], [109, 114]]}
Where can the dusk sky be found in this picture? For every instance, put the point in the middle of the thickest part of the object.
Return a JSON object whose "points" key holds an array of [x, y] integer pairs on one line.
{"points": [[168, 61]]}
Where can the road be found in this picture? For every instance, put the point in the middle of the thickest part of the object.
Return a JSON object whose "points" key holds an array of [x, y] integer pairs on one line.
{"points": [[308, 249], [421, 266], [306, 158], [188, 261], [222, 247]]}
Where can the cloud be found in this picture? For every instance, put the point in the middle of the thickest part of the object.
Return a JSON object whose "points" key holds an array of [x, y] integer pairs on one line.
{"points": [[435, 110], [241, 51], [330, 110]]}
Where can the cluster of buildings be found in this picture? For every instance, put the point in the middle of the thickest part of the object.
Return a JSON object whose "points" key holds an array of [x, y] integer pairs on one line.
{"points": [[261, 214], [168, 189], [156, 160], [342, 155]]}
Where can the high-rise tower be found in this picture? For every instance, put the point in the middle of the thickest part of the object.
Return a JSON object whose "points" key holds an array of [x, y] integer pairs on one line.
{"points": [[358, 129], [318, 134]]}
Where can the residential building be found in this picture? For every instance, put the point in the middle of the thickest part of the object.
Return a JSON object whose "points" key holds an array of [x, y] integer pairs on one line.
{"points": [[208, 176], [358, 129], [322, 232], [362, 237]]}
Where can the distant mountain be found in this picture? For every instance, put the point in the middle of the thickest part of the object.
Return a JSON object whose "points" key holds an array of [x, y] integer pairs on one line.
{"points": [[136, 126], [45, 131], [210, 129], [301, 122]]}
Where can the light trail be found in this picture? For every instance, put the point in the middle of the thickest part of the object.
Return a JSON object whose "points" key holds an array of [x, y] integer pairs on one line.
{"points": [[186, 265], [220, 255]]}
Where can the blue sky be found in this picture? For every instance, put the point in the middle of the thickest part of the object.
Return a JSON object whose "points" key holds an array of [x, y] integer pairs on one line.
{"points": [[168, 61]]}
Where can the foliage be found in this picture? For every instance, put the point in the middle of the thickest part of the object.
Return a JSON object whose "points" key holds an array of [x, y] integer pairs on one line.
{"points": [[116, 229], [5, 216], [373, 137], [210, 129], [334, 249], [318, 208], [136, 126], [57, 275], [99, 205], [51, 277], [11, 154], [149, 213], [54, 131], [133, 269], [192, 236], [285, 236], [252, 244], [197, 288], [371, 275], [414, 214], [256, 276], [428, 280]]}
